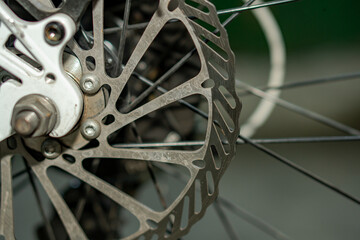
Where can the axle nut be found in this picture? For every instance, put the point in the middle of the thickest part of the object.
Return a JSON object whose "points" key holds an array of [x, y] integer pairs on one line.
{"points": [[34, 116]]}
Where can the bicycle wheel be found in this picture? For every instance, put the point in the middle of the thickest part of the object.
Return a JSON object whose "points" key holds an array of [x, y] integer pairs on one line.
{"points": [[159, 97]]}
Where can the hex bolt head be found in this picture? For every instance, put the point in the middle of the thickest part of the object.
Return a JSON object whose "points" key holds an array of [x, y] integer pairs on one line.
{"points": [[90, 84], [54, 33], [51, 148], [34, 116], [26, 122], [90, 129]]}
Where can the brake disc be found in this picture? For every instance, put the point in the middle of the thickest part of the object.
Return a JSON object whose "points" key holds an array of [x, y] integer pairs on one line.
{"points": [[115, 114]]}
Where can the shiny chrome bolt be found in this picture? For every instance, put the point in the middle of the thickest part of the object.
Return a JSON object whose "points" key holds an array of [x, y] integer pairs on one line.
{"points": [[51, 148], [34, 116], [54, 33], [90, 84], [26, 122], [90, 129]]}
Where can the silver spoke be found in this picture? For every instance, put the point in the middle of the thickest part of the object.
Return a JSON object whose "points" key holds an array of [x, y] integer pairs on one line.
{"points": [[176, 94], [110, 191], [155, 25], [301, 170], [246, 8], [302, 111], [67, 217], [291, 85], [123, 37]]}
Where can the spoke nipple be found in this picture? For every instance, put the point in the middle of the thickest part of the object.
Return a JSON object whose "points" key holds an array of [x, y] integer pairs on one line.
{"points": [[90, 129], [51, 148]]}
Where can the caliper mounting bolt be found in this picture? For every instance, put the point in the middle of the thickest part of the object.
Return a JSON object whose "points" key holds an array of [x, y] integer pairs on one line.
{"points": [[54, 33]]}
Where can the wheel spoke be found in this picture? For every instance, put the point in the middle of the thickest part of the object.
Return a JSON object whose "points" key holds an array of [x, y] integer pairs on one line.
{"points": [[255, 221], [156, 23], [225, 221], [157, 83], [291, 85], [121, 198], [176, 94], [123, 37], [48, 226], [304, 139], [68, 219], [302, 111], [260, 224], [246, 8], [300, 169]]}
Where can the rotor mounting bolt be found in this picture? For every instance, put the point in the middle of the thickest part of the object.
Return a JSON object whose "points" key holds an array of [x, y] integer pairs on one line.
{"points": [[51, 148], [90, 84], [90, 129], [54, 33]]}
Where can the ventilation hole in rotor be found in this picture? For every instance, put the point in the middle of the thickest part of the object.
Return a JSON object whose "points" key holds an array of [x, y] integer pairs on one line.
{"points": [[152, 224], [50, 78], [223, 139], [11, 143], [210, 183], [90, 63], [207, 26], [225, 115], [216, 158], [208, 83], [85, 36], [199, 163], [195, 4], [106, 89], [97, 204], [160, 66], [169, 226], [228, 97], [24, 199], [109, 119], [173, 4], [185, 213], [2, 237], [91, 144], [142, 238], [198, 198], [112, 31], [69, 158], [134, 175], [219, 69], [173, 126], [216, 48]]}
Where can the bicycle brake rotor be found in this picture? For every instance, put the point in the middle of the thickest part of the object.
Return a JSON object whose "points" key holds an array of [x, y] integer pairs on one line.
{"points": [[108, 123]]}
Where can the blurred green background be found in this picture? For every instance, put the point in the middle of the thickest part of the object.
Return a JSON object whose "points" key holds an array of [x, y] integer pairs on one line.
{"points": [[305, 23]]}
